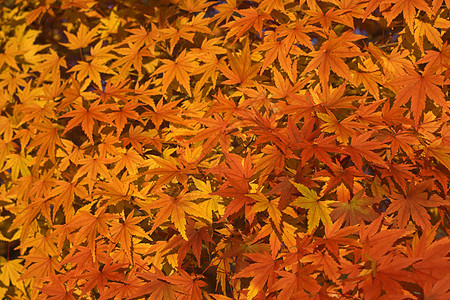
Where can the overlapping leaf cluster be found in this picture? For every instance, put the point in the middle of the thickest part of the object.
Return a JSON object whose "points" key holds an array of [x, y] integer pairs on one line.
{"points": [[189, 149]]}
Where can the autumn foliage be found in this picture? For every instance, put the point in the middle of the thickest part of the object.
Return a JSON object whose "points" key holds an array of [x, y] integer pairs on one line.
{"points": [[197, 149]]}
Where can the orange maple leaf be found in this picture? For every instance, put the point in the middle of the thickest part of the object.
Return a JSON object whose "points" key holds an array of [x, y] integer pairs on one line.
{"points": [[86, 117], [417, 87], [175, 208], [40, 265], [122, 232], [243, 70], [89, 226], [250, 18], [412, 205], [262, 272], [92, 166], [330, 57], [98, 276]]}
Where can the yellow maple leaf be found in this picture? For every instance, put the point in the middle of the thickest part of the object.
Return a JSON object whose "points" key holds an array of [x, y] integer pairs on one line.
{"points": [[179, 69], [262, 203], [10, 271], [82, 39], [317, 210]]}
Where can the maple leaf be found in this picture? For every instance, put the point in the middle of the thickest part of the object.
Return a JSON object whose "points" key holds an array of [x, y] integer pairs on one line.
{"points": [[331, 15], [101, 52], [436, 60], [190, 285], [276, 50], [50, 65], [123, 232], [86, 117], [284, 89], [209, 69], [141, 36], [318, 149], [217, 130], [178, 69], [338, 176], [137, 138], [262, 203], [224, 105], [18, 163], [121, 116], [10, 271], [156, 285], [343, 129], [57, 290], [169, 169], [400, 173], [361, 147], [439, 290], [115, 90], [298, 280], [439, 151], [124, 289], [115, 190], [130, 160], [250, 18], [425, 28], [330, 57], [6, 128], [81, 258], [376, 242], [175, 208], [175, 33], [413, 204], [329, 265], [35, 13], [417, 87], [356, 210], [73, 94], [298, 33], [266, 128], [82, 39], [64, 195], [274, 160], [402, 140], [133, 55], [9, 55], [408, 9], [91, 70], [90, 225], [48, 139], [91, 167], [97, 276], [168, 112], [39, 265], [237, 187], [196, 239], [369, 78], [225, 10], [336, 235], [371, 6], [262, 272], [386, 276], [317, 210], [430, 257], [243, 70], [204, 190]]}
